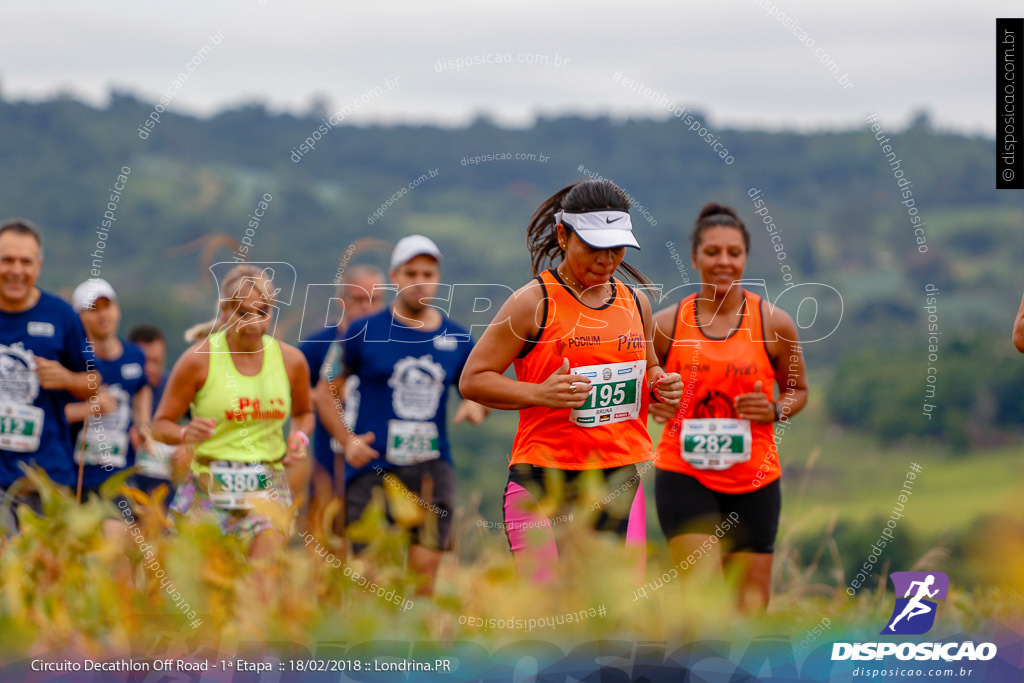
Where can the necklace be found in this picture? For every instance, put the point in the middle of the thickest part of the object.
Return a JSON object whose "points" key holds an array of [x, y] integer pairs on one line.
{"points": [[576, 285]]}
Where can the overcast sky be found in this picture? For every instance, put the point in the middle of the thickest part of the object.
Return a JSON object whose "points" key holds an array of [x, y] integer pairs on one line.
{"points": [[735, 60]]}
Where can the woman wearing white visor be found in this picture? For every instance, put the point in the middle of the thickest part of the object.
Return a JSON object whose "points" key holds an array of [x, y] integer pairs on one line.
{"points": [[580, 342]]}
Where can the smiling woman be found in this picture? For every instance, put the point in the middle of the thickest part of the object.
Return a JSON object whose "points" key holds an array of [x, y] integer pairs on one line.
{"points": [[717, 456], [577, 338], [240, 386]]}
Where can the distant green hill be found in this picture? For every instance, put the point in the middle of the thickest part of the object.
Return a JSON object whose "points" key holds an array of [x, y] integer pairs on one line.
{"points": [[831, 196]]}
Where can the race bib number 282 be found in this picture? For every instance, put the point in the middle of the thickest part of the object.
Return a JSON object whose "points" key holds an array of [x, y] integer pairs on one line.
{"points": [[715, 443]]}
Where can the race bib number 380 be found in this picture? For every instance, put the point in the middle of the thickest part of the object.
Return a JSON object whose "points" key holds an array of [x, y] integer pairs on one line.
{"points": [[235, 485], [615, 393], [715, 443]]}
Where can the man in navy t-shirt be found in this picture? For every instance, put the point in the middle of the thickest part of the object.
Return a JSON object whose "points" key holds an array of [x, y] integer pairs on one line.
{"points": [[406, 359], [44, 364], [360, 293], [108, 431]]}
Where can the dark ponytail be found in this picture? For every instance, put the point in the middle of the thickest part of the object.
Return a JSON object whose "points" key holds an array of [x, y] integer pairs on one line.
{"points": [[582, 195], [715, 215]]}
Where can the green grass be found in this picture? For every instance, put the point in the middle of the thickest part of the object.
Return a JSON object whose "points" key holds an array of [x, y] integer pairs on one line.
{"points": [[948, 495], [829, 476], [43, 604], [854, 479]]}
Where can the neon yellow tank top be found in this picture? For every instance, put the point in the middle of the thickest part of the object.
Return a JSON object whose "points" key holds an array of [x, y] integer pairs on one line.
{"points": [[250, 412]]}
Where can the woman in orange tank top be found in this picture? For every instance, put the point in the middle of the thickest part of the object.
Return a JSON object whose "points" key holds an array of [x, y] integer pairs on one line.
{"points": [[580, 342], [717, 462]]}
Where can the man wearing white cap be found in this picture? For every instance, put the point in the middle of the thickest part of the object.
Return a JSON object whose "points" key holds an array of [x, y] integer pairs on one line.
{"points": [[109, 426], [43, 360], [406, 358]]}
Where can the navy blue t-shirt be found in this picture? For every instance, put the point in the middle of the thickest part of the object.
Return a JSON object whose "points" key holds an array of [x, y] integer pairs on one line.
{"points": [[316, 349], [404, 377], [33, 427], [106, 440]]}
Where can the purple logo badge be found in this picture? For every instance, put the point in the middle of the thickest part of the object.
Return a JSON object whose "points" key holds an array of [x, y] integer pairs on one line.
{"points": [[914, 612]]}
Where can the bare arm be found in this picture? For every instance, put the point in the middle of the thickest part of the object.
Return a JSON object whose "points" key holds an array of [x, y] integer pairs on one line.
{"points": [[1018, 328], [669, 384], [186, 378], [483, 378], [142, 410], [298, 378], [662, 342], [53, 375], [76, 412], [788, 360], [142, 407], [80, 411], [471, 412], [295, 457], [329, 398], [663, 321]]}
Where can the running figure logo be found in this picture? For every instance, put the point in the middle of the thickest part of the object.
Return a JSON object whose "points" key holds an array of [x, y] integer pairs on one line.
{"points": [[914, 613]]}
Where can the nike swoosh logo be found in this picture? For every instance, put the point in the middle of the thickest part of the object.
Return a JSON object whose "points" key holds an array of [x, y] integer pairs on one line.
{"points": [[612, 220]]}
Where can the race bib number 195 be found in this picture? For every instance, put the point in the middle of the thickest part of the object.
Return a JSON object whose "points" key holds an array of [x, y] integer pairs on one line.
{"points": [[616, 390]]}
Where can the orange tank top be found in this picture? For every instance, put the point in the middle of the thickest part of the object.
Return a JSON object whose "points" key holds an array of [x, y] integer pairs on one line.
{"points": [[608, 345], [714, 372]]}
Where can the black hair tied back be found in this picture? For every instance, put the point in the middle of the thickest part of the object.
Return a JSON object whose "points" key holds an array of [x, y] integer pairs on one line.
{"points": [[715, 215]]}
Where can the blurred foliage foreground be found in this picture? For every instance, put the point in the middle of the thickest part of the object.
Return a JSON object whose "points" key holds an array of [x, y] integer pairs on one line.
{"points": [[154, 591]]}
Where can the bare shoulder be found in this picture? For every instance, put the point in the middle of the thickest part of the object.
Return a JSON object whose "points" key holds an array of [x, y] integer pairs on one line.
{"points": [[778, 324], [291, 354], [529, 295], [192, 368], [196, 357], [644, 301], [523, 303]]}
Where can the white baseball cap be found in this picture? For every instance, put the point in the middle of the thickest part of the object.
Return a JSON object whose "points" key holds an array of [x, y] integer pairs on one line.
{"points": [[87, 293], [601, 228], [412, 246]]}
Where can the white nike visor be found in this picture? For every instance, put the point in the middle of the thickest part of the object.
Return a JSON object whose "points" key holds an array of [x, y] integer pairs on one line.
{"points": [[600, 229]]}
